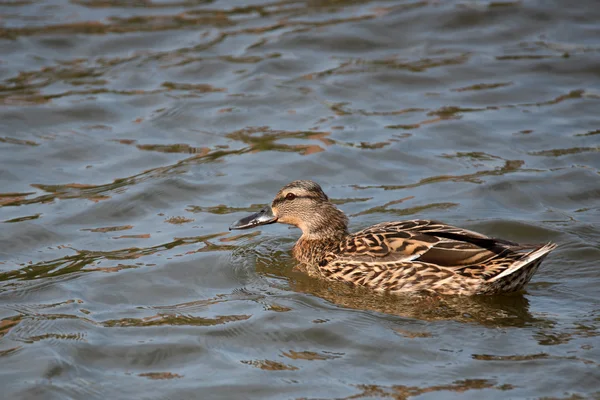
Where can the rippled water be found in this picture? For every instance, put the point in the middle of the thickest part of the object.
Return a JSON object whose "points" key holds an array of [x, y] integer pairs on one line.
{"points": [[134, 132]]}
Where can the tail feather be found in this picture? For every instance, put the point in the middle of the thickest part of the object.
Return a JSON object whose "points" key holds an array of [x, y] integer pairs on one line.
{"points": [[524, 264]]}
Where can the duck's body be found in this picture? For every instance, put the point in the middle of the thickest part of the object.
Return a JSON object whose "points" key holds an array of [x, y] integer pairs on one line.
{"points": [[398, 257], [423, 256]]}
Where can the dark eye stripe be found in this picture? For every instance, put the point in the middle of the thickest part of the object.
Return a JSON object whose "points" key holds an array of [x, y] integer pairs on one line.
{"points": [[283, 199]]}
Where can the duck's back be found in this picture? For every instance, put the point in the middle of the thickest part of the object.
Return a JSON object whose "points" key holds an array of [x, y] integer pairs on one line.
{"points": [[424, 255]]}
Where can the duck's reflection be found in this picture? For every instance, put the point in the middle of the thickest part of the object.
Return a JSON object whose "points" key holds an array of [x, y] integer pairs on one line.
{"points": [[505, 310], [501, 311]]}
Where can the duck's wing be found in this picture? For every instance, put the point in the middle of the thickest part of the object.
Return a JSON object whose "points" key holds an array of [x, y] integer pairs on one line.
{"points": [[425, 241]]}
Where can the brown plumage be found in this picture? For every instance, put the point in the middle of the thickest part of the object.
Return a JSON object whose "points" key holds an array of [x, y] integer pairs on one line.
{"points": [[397, 257]]}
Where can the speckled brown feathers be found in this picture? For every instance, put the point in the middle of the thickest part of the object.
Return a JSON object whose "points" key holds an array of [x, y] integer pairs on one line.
{"points": [[428, 256], [401, 257]]}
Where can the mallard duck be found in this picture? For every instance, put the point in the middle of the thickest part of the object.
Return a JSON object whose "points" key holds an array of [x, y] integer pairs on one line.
{"points": [[397, 257]]}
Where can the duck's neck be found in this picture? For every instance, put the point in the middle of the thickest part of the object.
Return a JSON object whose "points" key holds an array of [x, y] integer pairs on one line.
{"points": [[325, 232]]}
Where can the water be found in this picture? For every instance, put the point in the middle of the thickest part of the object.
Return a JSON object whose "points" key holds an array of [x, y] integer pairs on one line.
{"points": [[133, 133]]}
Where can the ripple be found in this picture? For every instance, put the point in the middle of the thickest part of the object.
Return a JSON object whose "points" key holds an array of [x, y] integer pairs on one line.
{"points": [[591, 133], [200, 88], [482, 86], [110, 229], [405, 392], [173, 320], [21, 219], [200, 305], [51, 327], [21, 142], [73, 264], [269, 365], [510, 166], [160, 375], [264, 139], [101, 192], [362, 66], [564, 152], [310, 355], [529, 357]]}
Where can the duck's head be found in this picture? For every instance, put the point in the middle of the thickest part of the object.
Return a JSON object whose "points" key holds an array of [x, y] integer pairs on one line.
{"points": [[302, 204]]}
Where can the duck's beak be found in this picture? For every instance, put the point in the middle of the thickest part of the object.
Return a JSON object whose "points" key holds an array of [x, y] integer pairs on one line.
{"points": [[263, 217]]}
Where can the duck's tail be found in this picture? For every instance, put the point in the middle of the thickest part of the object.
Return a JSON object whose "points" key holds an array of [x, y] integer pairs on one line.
{"points": [[520, 272]]}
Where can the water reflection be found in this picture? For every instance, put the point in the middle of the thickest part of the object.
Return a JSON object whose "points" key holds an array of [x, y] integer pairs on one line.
{"points": [[84, 260], [507, 310], [401, 392]]}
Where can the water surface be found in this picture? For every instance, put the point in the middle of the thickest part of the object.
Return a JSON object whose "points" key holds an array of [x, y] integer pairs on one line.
{"points": [[134, 132]]}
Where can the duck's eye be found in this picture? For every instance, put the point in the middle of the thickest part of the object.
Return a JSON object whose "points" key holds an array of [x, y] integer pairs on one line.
{"points": [[290, 196]]}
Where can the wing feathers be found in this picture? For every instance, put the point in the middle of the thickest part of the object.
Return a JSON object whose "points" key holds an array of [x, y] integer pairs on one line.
{"points": [[426, 241]]}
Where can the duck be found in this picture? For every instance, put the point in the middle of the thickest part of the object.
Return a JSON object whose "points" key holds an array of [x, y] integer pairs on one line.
{"points": [[399, 257]]}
